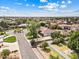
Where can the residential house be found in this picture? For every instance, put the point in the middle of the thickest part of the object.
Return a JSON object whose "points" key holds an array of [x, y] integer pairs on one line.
{"points": [[45, 31]]}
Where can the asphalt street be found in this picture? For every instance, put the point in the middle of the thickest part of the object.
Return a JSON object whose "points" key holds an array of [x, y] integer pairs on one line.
{"points": [[25, 49]]}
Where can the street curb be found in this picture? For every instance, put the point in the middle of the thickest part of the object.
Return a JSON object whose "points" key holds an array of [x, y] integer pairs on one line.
{"points": [[20, 56]]}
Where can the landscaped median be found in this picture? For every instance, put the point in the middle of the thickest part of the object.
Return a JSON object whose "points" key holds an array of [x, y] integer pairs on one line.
{"points": [[47, 52], [10, 39], [73, 55], [66, 50], [56, 54], [51, 52]]}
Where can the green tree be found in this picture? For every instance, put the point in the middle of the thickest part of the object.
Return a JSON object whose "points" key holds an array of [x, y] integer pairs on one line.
{"points": [[1, 29], [51, 57], [42, 24], [73, 41], [57, 37], [33, 33], [32, 27], [4, 24], [55, 26], [5, 53], [44, 45]]}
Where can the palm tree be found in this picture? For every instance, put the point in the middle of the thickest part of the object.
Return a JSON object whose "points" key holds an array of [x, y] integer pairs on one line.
{"points": [[5, 53]]}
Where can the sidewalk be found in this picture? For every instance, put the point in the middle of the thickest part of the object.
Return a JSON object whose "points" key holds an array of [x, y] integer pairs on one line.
{"points": [[38, 53], [20, 57]]}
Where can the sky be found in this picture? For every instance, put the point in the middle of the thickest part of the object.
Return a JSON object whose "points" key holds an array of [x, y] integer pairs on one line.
{"points": [[39, 8]]}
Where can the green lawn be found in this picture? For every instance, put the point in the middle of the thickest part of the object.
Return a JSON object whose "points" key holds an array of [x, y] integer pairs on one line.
{"points": [[73, 55], [56, 54], [2, 33], [61, 47], [10, 39], [7, 34]]}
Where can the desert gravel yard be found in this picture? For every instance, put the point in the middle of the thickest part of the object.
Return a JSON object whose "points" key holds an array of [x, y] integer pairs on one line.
{"points": [[10, 46]]}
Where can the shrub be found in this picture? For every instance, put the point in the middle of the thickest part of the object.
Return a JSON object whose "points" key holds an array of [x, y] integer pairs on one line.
{"points": [[44, 45], [5, 53], [73, 55], [52, 57]]}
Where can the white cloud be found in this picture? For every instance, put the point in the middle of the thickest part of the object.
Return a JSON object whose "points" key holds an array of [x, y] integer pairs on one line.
{"points": [[12, 12], [3, 11], [69, 2], [57, 1], [4, 7], [50, 6], [27, 5], [43, 0], [18, 3], [63, 6], [33, 5], [63, 2], [76, 10]]}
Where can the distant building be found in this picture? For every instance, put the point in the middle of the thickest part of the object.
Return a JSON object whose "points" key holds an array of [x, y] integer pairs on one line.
{"points": [[45, 31], [22, 25], [65, 27]]}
